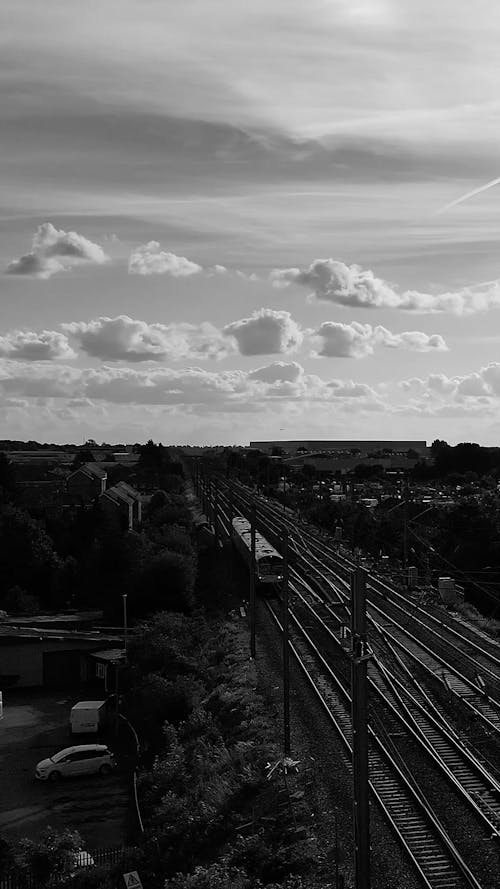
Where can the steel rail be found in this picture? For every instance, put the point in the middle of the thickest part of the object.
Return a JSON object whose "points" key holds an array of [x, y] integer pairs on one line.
{"points": [[442, 746], [428, 845]]}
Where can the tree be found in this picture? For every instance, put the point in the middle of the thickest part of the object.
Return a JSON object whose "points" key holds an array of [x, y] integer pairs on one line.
{"points": [[166, 581], [166, 644], [278, 452], [82, 456], [7, 478], [51, 858], [27, 556]]}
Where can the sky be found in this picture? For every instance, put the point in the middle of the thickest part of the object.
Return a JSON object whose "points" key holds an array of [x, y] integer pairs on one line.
{"points": [[224, 221]]}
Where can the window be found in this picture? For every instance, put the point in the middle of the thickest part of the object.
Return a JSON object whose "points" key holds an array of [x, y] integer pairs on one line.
{"points": [[100, 671]]}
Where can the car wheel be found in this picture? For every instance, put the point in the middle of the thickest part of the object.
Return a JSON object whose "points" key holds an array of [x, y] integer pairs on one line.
{"points": [[105, 769], [54, 776]]}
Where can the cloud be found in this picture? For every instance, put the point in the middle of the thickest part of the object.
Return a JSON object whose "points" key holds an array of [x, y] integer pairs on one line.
{"points": [[29, 346], [335, 282], [126, 339], [266, 332], [48, 241], [150, 259], [234, 390], [279, 371], [55, 251], [359, 340], [439, 395], [34, 266]]}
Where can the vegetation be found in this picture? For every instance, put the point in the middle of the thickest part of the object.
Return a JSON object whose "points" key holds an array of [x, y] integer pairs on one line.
{"points": [[206, 734]]}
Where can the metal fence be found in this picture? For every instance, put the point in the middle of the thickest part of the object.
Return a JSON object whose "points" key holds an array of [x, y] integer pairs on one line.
{"points": [[100, 857]]}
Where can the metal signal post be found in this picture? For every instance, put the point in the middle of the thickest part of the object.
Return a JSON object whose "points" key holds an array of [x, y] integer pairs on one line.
{"points": [[216, 512], [359, 711], [286, 649], [252, 580]]}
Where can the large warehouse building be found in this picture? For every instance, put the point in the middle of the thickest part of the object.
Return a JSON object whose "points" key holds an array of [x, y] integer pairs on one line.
{"points": [[365, 447]]}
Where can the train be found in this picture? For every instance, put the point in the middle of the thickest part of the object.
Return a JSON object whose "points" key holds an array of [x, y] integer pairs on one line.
{"points": [[269, 568]]}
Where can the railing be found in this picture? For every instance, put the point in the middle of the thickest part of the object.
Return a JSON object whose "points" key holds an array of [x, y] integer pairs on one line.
{"points": [[101, 857]]}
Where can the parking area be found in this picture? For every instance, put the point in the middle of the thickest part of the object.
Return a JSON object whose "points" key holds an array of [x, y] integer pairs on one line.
{"points": [[34, 726]]}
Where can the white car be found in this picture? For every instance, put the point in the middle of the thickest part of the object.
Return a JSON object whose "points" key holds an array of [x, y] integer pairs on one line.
{"points": [[84, 759]]}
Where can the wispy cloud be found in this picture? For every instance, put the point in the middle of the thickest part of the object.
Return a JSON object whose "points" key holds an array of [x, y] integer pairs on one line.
{"points": [[467, 195]]}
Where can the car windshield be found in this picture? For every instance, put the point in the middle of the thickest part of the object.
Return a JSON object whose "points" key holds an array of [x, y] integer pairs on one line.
{"points": [[58, 756]]}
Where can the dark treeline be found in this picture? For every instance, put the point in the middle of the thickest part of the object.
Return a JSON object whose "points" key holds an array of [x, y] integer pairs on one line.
{"points": [[71, 557], [191, 691]]}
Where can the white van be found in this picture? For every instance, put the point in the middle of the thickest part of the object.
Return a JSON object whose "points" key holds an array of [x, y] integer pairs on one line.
{"points": [[87, 717]]}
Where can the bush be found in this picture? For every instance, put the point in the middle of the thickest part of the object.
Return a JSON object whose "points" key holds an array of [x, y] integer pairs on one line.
{"points": [[18, 601], [165, 582], [217, 876], [169, 644], [51, 858]]}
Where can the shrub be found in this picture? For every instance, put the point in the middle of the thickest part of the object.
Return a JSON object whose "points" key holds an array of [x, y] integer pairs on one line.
{"points": [[165, 582], [18, 601]]}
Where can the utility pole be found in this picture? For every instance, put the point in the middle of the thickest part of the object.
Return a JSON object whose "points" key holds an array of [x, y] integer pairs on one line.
{"points": [[359, 712], [252, 580], [202, 490], [286, 648], [125, 627], [216, 513], [405, 531]]}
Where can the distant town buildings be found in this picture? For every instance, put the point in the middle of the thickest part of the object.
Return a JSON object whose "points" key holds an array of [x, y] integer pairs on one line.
{"points": [[364, 447]]}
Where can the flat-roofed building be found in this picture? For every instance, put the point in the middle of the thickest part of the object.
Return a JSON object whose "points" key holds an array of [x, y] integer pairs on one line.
{"points": [[326, 445]]}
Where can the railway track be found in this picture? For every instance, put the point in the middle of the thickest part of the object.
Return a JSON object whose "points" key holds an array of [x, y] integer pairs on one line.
{"points": [[466, 774], [324, 599], [432, 852], [476, 681]]}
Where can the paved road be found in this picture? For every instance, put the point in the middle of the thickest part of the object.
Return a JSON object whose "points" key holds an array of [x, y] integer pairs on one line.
{"points": [[34, 726]]}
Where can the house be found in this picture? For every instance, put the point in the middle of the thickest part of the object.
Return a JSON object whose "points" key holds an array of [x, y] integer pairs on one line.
{"points": [[86, 483], [39, 657], [137, 500], [101, 668], [122, 506]]}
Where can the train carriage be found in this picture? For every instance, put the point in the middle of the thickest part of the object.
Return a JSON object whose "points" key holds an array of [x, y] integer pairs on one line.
{"points": [[268, 561]]}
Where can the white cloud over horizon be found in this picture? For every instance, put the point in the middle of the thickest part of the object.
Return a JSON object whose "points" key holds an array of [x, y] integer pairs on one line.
{"points": [[240, 390], [189, 385]]}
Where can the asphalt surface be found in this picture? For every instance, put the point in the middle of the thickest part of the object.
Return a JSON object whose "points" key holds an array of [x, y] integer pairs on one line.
{"points": [[34, 726]]}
